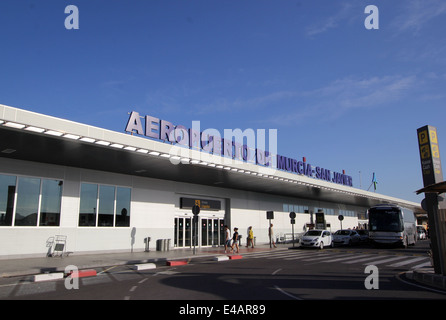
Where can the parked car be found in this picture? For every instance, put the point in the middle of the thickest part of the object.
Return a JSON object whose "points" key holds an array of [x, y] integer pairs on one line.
{"points": [[317, 239], [363, 234], [421, 233], [346, 237]]}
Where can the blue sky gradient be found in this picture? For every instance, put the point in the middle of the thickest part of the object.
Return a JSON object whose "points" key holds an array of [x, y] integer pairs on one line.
{"points": [[344, 97]]}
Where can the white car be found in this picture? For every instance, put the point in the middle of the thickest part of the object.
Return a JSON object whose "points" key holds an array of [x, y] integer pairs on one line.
{"points": [[317, 239], [346, 237]]}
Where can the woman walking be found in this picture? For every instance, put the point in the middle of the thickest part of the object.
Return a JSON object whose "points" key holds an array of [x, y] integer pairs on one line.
{"points": [[235, 240], [250, 238]]}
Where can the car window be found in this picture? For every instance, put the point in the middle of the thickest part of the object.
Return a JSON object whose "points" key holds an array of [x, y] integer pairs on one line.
{"points": [[313, 233]]}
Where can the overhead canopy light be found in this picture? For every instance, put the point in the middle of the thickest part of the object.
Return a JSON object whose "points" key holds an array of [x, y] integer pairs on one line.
{"points": [[14, 125], [103, 143], [53, 133], [34, 129], [8, 151], [71, 136], [86, 139]]}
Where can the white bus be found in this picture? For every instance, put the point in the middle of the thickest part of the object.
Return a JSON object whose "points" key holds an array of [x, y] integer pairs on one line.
{"points": [[392, 225]]}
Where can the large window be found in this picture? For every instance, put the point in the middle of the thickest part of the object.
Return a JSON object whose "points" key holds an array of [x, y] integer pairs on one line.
{"points": [[7, 194], [104, 206], [294, 208], [26, 201], [122, 207], [89, 196], [28, 190], [50, 203]]}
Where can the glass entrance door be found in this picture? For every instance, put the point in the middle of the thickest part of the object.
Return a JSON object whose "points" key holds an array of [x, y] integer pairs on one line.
{"points": [[183, 232], [211, 233], [204, 232]]}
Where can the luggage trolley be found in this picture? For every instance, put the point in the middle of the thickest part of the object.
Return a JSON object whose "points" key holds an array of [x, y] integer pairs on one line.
{"points": [[59, 246]]}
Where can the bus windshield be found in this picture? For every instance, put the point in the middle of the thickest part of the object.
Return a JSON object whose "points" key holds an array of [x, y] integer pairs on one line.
{"points": [[389, 220]]}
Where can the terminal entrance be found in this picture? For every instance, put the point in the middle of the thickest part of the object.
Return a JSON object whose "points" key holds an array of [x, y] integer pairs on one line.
{"points": [[183, 232], [210, 232]]}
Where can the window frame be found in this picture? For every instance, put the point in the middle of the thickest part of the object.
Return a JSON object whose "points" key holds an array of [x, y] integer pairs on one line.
{"points": [[98, 212], [38, 222]]}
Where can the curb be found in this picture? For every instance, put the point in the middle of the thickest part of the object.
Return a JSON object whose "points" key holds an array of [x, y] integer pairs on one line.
{"points": [[48, 276], [428, 277], [176, 263], [56, 274], [82, 264], [144, 266]]}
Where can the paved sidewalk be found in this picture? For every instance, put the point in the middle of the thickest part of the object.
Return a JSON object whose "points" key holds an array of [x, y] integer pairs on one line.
{"points": [[31, 266]]}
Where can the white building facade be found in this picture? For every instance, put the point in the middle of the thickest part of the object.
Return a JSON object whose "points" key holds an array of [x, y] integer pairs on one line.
{"points": [[110, 192]]}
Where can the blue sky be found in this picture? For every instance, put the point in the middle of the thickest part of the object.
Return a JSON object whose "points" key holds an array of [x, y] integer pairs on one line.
{"points": [[344, 97]]}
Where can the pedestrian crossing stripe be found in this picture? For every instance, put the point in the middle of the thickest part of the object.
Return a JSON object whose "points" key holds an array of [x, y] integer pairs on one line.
{"points": [[344, 257], [371, 257], [384, 260], [308, 259], [422, 265], [399, 264]]}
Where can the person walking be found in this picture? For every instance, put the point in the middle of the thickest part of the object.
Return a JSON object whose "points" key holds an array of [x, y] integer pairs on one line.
{"points": [[227, 238], [271, 236], [235, 240], [250, 239]]}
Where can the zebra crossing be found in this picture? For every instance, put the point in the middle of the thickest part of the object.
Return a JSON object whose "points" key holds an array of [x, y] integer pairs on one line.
{"points": [[347, 258]]}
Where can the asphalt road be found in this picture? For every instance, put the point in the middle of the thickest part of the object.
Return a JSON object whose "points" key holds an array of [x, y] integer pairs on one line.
{"points": [[299, 274]]}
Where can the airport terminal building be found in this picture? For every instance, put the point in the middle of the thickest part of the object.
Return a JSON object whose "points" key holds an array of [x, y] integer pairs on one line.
{"points": [[107, 191]]}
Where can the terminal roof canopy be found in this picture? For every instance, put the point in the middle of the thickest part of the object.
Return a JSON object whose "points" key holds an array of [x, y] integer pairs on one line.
{"points": [[35, 137]]}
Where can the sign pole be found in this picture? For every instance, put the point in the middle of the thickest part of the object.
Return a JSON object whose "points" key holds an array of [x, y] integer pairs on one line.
{"points": [[195, 211], [340, 218], [293, 221], [432, 174], [269, 216]]}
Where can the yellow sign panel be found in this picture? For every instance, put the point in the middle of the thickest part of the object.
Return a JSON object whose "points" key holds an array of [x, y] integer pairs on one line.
{"points": [[423, 137], [435, 151], [198, 203], [433, 135], [425, 152]]}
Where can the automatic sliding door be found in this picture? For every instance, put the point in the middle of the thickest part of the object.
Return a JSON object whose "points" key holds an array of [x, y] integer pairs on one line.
{"points": [[180, 242], [183, 232], [222, 232], [187, 232], [204, 232], [215, 232], [175, 233], [212, 232]]}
